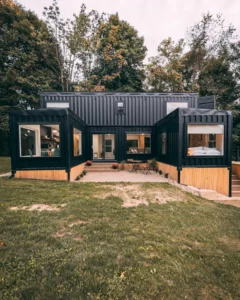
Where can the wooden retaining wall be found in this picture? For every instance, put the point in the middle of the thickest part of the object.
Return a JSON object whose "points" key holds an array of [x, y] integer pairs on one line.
{"points": [[42, 174], [50, 174], [216, 179], [77, 170], [171, 170]]}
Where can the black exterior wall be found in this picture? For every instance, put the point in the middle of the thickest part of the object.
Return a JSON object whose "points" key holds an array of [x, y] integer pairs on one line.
{"points": [[175, 124], [66, 120], [95, 113], [100, 109], [120, 140]]}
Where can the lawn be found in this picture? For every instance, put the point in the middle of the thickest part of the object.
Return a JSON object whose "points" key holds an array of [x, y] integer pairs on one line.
{"points": [[92, 247], [5, 164]]}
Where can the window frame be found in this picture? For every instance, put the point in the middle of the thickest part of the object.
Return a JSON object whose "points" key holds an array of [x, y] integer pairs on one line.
{"points": [[24, 125], [73, 142], [203, 156], [166, 134], [173, 102], [139, 133]]}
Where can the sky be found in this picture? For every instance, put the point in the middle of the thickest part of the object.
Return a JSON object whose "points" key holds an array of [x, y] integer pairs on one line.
{"points": [[155, 20]]}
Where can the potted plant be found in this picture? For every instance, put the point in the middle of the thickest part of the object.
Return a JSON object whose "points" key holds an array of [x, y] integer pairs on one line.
{"points": [[115, 165], [88, 163], [166, 175], [160, 172]]}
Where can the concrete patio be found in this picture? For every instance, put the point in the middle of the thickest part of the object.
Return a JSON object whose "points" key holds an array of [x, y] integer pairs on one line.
{"points": [[123, 176]]}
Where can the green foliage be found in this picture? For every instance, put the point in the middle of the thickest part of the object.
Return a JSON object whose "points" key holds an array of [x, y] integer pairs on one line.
{"points": [[209, 62], [164, 72], [210, 66], [27, 62], [25, 52], [119, 57]]}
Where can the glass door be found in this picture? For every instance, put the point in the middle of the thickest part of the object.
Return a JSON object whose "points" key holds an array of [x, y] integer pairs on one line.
{"points": [[103, 146]]}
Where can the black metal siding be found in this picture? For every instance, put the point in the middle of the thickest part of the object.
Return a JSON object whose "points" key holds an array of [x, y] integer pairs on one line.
{"points": [[98, 109], [43, 116], [120, 140], [169, 125], [177, 137]]}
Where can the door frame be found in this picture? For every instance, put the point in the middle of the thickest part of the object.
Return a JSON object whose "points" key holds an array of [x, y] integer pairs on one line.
{"points": [[103, 145]]}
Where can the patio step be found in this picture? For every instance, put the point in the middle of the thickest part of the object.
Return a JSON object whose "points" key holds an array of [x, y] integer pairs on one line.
{"points": [[100, 167], [235, 193], [235, 186]]}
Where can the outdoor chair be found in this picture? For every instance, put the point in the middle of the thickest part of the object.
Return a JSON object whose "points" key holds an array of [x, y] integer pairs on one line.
{"points": [[147, 170]]}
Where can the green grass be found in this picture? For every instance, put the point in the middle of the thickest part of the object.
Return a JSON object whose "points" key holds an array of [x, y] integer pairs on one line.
{"points": [[178, 250], [5, 164]]}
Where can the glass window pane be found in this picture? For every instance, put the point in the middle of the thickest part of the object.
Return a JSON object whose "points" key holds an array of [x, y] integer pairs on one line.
{"points": [[50, 140], [138, 143], [205, 140], [164, 142], [39, 140], [171, 106], [28, 142], [77, 142]]}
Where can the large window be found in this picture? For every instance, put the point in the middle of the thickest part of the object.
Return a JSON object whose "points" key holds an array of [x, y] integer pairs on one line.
{"points": [[205, 140], [77, 142], [39, 140], [138, 143]]}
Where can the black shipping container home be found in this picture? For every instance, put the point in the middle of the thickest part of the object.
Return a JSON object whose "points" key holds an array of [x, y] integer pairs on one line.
{"points": [[71, 128], [194, 147]]}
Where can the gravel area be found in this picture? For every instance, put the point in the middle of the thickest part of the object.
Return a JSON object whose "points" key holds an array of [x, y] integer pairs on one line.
{"points": [[123, 176]]}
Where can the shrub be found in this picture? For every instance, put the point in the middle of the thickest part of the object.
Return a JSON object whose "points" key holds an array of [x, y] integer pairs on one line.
{"points": [[122, 167], [89, 163]]}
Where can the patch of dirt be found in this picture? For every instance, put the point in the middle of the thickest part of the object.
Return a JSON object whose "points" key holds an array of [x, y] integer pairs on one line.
{"points": [[78, 223], [64, 233], [39, 207], [61, 234], [134, 195], [77, 238], [118, 259]]}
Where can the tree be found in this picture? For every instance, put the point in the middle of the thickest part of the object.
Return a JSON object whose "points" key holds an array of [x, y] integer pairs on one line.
{"points": [[75, 44], [164, 71], [208, 63], [25, 53], [119, 57]]}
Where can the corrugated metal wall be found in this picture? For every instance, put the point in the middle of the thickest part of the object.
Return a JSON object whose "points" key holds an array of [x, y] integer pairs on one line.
{"points": [[99, 109]]}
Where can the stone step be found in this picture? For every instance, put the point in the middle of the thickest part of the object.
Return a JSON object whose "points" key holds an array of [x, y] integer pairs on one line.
{"points": [[100, 165], [236, 188], [101, 170], [234, 176], [235, 194], [235, 182]]}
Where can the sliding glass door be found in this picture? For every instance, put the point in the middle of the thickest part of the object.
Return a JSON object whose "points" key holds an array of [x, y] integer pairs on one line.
{"points": [[103, 146]]}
